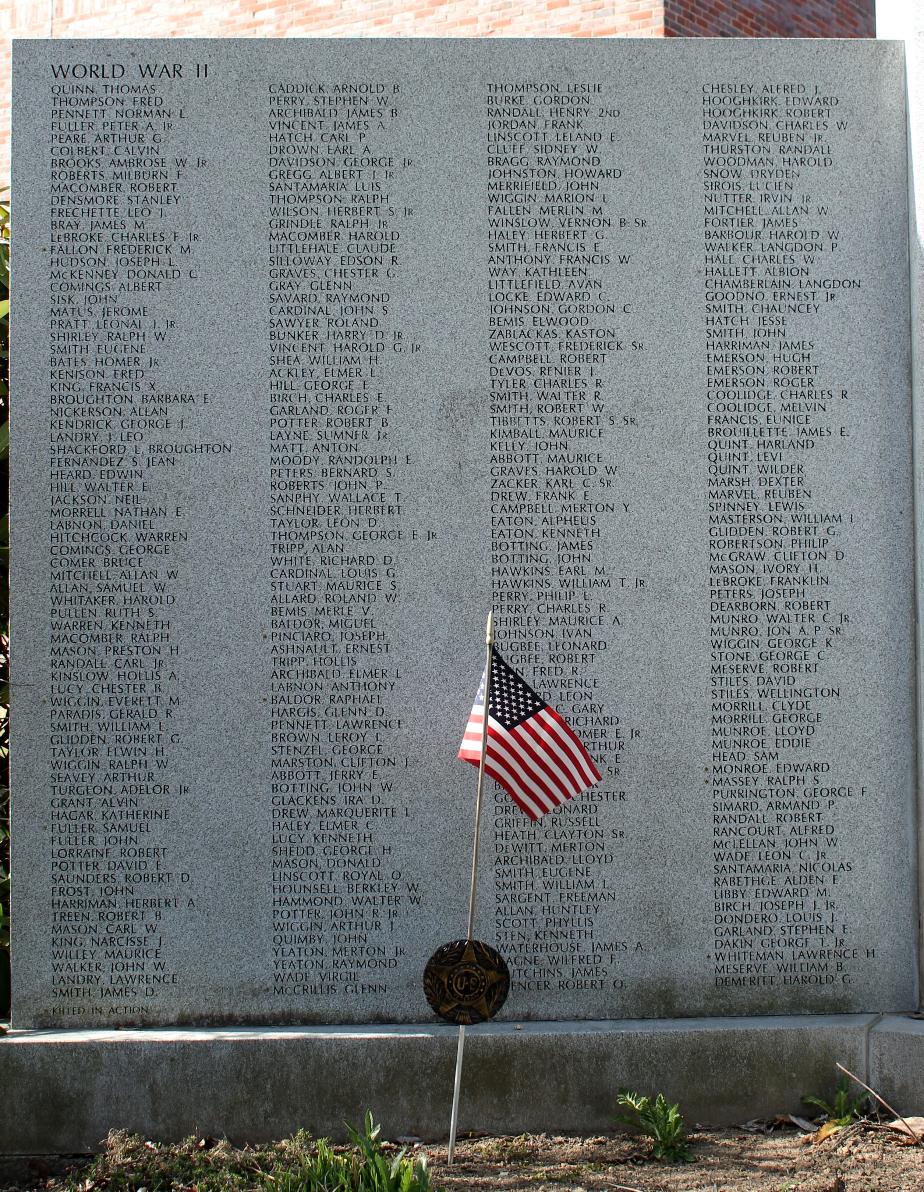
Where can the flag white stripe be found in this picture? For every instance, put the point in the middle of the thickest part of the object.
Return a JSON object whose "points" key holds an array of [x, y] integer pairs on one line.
{"points": [[470, 749], [507, 752], [537, 758], [561, 780], [549, 730], [545, 746], [575, 752], [550, 727], [540, 761], [567, 733], [513, 788], [500, 775]]}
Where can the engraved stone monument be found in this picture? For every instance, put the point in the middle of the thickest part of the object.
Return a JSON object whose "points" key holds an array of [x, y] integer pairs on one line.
{"points": [[322, 349]]}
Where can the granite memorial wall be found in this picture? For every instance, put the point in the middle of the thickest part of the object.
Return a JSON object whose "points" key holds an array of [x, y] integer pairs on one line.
{"points": [[321, 349]]}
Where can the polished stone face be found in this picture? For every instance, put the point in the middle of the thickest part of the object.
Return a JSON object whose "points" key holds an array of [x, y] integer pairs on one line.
{"points": [[323, 349]]}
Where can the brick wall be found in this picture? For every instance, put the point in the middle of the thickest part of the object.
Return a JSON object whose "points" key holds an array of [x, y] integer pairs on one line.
{"points": [[420, 18], [770, 18]]}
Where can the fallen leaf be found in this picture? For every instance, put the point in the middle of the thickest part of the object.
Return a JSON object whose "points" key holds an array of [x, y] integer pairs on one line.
{"points": [[826, 1131], [755, 1126], [804, 1124], [911, 1127]]}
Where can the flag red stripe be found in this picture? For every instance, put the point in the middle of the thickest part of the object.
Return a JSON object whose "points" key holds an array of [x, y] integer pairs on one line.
{"points": [[547, 738], [507, 749], [562, 741], [551, 769], [513, 792], [565, 744], [470, 749], [494, 768], [526, 741], [560, 765], [540, 762], [508, 760], [587, 761], [514, 787], [564, 780]]}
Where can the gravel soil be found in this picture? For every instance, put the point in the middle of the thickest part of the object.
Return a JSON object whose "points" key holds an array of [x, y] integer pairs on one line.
{"points": [[864, 1157], [860, 1158]]}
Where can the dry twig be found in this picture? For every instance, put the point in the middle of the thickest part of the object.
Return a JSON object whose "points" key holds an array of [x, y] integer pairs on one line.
{"points": [[919, 1139]]}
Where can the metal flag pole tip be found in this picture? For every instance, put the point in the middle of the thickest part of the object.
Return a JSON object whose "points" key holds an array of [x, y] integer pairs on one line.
{"points": [[457, 1084]]}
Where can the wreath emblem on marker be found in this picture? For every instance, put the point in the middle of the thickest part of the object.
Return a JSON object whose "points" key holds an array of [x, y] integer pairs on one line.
{"points": [[466, 981]]}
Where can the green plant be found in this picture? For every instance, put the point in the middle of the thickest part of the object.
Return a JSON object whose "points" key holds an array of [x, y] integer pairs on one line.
{"points": [[842, 1110], [321, 1170], [659, 1121], [366, 1169], [129, 1163], [400, 1176]]}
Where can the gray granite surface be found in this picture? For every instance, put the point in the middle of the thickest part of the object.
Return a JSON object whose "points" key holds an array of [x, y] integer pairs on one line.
{"points": [[261, 1083], [323, 348]]}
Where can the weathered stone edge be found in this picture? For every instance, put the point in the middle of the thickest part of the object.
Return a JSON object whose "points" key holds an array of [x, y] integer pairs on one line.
{"points": [[896, 1062], [65, 1090]]}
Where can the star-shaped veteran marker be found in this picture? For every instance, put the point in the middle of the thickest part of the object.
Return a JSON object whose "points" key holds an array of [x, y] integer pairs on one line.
{"points": [[466, 982]]}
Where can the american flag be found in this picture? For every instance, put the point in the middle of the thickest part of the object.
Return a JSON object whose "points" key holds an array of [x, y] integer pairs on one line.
{"points": [[530, 751]]}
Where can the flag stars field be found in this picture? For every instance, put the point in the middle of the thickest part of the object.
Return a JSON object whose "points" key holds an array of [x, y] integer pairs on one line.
{"points": [[530, 750]]}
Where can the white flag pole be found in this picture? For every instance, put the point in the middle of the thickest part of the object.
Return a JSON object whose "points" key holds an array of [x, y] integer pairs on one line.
{"points": [[489, 643]]}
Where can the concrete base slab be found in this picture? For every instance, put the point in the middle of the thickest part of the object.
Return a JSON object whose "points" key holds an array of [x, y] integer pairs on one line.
{"points": [[896, 1062], [67, 1089]]}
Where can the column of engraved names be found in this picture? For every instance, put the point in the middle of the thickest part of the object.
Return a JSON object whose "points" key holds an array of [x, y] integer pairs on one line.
{"points": [[336, 515], [777, 417], [555, 231], [117, 250]]}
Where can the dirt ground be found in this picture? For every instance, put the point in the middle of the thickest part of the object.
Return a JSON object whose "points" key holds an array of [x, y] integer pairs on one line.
{"points": [[861, 1158], [864, 1157]]}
